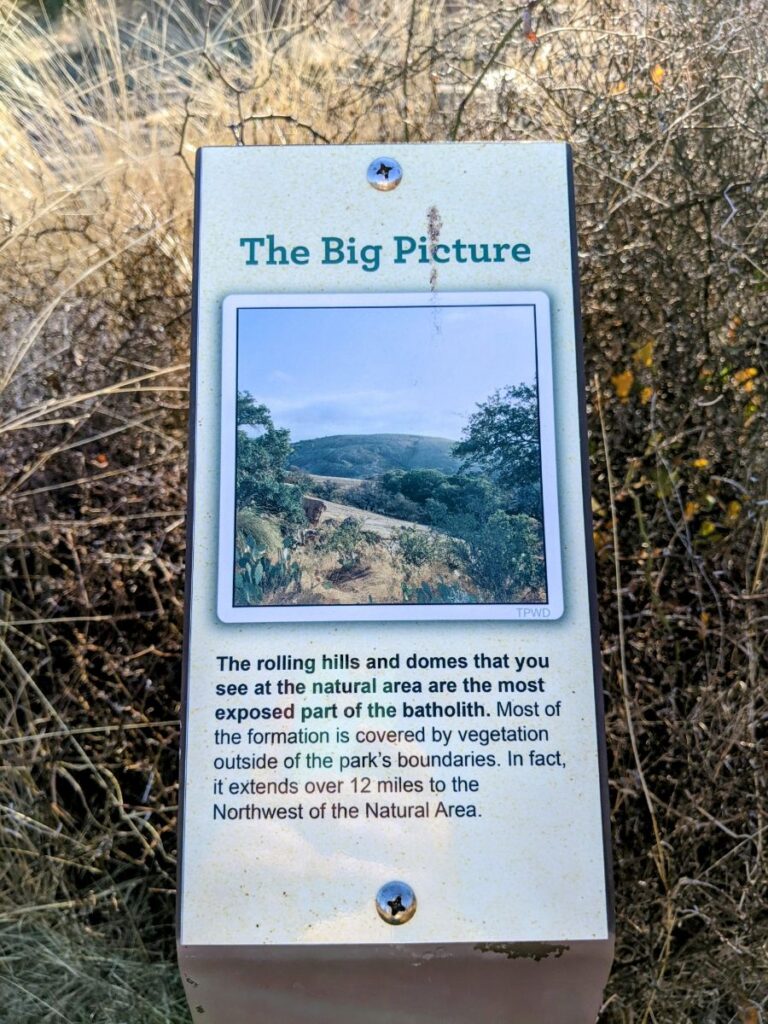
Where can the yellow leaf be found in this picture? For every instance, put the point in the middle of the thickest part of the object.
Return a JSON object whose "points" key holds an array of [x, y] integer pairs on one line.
{"points": [[751, 408], [644, 355], [707, 528], [743, 376], [657, 75], [732, 511], [601, 540], [622, 383], [618, 89], [700, 463], [646, 395], [691, 508]]}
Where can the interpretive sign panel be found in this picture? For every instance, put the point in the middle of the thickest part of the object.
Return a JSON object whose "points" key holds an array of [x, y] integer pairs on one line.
{"points": [[391, 666]]}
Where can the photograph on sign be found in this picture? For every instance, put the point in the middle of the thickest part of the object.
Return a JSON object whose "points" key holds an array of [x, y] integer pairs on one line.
{"points": [[388, 457]]}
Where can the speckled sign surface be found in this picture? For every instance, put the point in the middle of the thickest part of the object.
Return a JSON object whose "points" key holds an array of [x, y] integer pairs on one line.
{"points": [[326, 755]]}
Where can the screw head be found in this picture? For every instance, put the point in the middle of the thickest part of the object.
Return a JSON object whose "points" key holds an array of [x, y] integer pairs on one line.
{"points": [[396, 902], [384, 173]]}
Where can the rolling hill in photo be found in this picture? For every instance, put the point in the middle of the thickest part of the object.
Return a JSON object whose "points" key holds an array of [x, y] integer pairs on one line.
{"points": [[369, 455]]}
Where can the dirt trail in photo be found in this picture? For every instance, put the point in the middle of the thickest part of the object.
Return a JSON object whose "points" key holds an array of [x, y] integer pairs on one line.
{"points": [[384, 526], [344, 483]]}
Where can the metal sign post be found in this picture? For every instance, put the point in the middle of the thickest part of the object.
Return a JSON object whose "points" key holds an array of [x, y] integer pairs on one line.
{"points": [[393, 798]]}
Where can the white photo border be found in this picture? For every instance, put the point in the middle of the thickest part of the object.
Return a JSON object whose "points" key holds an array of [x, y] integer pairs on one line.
{"points": [[546, 611]]}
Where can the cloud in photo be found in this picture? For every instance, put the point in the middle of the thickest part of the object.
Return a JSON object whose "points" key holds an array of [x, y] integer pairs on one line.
{"points": [[374, 370]]}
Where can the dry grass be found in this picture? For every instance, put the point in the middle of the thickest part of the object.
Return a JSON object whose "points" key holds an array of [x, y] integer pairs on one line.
{"points": [[665, 104], [55, 972]]}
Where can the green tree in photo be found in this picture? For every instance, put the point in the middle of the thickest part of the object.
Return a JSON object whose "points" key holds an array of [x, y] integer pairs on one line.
{"points": [[414, 484], [350, 542], [417, 547], [502, 438], [262, 455], [505, 556]]}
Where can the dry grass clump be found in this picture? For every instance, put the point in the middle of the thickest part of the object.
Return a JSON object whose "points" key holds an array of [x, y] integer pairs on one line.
{"points": [[665, 104], [80, 975]]}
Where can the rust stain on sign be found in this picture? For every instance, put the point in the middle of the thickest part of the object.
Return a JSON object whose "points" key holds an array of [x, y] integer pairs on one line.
{"points": [[434, 227], [523, 950]]}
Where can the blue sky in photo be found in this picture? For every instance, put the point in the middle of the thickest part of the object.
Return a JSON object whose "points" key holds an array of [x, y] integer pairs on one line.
{"points": [[384, 370]]}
